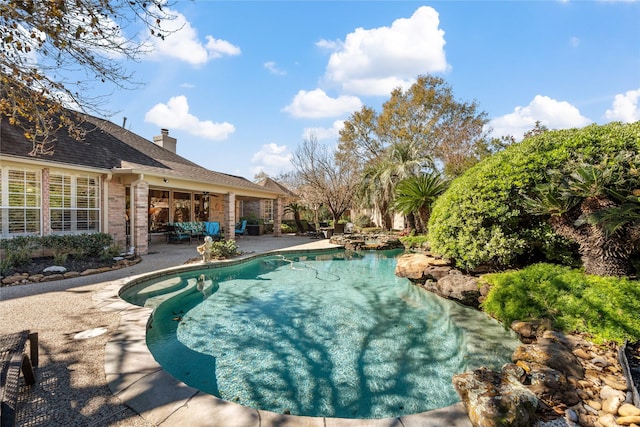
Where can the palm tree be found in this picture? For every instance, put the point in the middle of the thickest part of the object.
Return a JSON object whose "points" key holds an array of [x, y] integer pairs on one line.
{"points": [[415, 196], [296, 209], [380, 177], [596, 207]]}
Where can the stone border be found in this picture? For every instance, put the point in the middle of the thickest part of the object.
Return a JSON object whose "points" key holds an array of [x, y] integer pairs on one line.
{"points": [[25, 278], [139, 381]]}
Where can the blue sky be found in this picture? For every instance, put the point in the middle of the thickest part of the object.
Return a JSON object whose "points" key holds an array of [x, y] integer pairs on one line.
{"points": [[242, 83]]}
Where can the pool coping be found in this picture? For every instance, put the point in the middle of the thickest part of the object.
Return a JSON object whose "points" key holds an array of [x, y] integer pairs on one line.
{"points": [[134, 376]]}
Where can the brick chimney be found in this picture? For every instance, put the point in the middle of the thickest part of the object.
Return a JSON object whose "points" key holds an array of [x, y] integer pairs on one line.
{"points": [[165, 141]]}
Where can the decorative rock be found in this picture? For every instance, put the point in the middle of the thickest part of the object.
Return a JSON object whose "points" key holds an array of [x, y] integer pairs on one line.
{"points": [[594, 404], [581, 353], [625, 421], [10, 280], [530, 330], [607, 391], [412, 266], [552, 354], [436, 272], [611, 404], [628, 410], [71, 274], [36, 277], [90, 271], [495, 399], [615, 384], [120, 258], [55, 269], [607, 420], [571, 415], [460, 288]]}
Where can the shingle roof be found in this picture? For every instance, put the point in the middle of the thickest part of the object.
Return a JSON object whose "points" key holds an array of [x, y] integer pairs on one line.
{"points": [[276, 186], [109, 146]]}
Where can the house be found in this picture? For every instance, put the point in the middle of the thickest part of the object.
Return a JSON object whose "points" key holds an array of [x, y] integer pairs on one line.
{"points": [[116, 182]]}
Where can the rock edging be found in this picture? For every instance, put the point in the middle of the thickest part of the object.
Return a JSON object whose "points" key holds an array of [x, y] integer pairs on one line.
{"points": [[552, 375], [25, 278]]}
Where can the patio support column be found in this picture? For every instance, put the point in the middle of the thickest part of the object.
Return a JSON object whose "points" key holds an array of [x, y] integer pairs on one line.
{"points": [[140, 216], [277, 216], [229, 206]]}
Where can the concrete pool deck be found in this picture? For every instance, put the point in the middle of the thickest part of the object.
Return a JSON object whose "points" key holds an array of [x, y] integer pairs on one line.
{"points": [[130, 375]]}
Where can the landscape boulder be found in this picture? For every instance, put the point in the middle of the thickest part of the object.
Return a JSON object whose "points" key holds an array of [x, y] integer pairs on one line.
{"points": [[496, 399]]}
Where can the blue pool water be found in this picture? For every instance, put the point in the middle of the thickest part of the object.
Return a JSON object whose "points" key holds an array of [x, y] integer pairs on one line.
{"points": [[335, 335]]}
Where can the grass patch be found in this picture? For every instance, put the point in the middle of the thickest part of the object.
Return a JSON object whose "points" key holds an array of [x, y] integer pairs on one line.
{"points": [[606, 308]]}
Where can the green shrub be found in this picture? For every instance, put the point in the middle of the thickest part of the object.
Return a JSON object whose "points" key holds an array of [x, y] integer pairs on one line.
{"points": [[18, 251], [363, 221], [414, 241], [286, 228], [481, 218], [224, 249], [604, 307]]}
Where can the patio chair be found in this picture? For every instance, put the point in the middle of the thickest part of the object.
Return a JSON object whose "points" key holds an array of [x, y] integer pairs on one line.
{"points": [[243, 228], [212, 229], [175, 233]]}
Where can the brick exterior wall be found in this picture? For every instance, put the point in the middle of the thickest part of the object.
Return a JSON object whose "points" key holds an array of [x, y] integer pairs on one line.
{"points": [[229, 223], [115, 216], [140, 192], [278, 207]]}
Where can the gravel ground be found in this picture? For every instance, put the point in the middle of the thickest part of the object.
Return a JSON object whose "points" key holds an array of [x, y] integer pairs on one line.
{"points": [[71, 388]]}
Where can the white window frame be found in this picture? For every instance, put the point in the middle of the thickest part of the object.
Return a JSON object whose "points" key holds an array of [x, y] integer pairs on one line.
{"points": [[268, 210], [80, 199], [31, 195]]}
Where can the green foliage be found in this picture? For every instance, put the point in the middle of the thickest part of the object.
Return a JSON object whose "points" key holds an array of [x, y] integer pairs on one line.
{"points": [[482, 217], [18, 251], [604, 307], [286, 228], [414, 241], [362, 221], [224, 249]]}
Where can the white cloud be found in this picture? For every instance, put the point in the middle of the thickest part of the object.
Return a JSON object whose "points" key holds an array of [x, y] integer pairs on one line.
{"points": [[375, 61], [551, 113], [273, 68], [187, 85], [625, 107], [574, 41], [182, 43], [317, 104], [331, 133], [175, 115], [272, 159]]}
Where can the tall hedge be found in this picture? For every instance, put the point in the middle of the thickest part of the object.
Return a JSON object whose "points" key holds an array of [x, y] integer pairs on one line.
{"points": [[481, 218]]}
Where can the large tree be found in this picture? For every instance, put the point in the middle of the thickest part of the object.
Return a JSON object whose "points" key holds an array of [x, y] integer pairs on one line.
{"points": [[427, 116], [333, 181], [54, 52]]}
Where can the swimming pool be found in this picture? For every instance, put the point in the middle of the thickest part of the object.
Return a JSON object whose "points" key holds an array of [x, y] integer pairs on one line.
{"points": [[329, 334]]}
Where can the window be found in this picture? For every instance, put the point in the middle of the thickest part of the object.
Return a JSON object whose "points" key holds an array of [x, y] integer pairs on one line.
{"points": [[158, 210], [19, 202], [181, 207], [74, 203], [268, 210]]}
